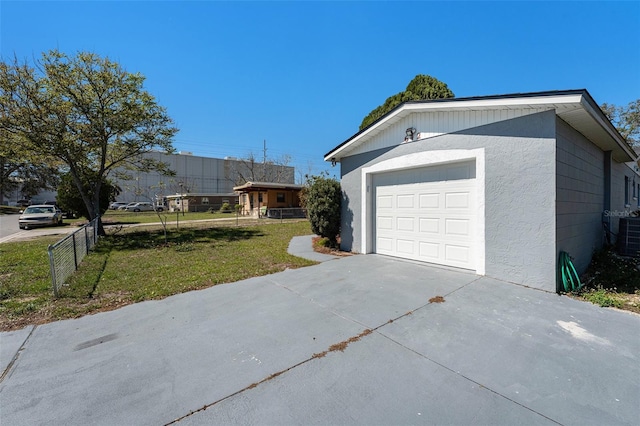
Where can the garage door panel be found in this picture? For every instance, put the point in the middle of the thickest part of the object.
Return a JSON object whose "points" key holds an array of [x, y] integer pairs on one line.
{"points": [[429, 201], [405, 246], [457, 200], [430, 221], [385, 245], [405, 224], [455, 253], [405, 201], [385, 201], [457, 227], [429, 225], [385, 223], [429, 250]]}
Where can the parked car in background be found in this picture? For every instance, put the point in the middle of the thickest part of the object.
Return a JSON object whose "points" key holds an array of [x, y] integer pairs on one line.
{"points": [[65, 215], [23, 203], [40, 215], [142, 207], [127, 205], [117, 204]]}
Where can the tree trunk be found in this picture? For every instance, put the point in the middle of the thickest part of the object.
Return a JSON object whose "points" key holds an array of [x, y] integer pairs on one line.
{"points": [[96, 209], [101, 228]]}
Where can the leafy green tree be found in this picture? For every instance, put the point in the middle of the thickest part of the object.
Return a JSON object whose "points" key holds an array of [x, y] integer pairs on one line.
{"points": [[322, 199], [422, 87], [22, 170], [626, 120], [70, 200], [85, 112]]}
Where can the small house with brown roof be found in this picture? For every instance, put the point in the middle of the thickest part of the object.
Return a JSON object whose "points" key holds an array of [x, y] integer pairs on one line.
{"points": [[270, 199]]}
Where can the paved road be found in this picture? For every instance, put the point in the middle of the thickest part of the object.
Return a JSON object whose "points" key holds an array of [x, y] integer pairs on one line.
{"points": [[19, 234], [16, 234], [8, 225], [357, 340]]}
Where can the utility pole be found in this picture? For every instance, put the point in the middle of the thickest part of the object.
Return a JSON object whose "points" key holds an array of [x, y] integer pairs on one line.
{"points": [[264, 160]]}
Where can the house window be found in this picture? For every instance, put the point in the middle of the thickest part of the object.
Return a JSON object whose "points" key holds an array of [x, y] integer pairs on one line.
{"points": [[259, 197], [205, 200], [280, 197]]}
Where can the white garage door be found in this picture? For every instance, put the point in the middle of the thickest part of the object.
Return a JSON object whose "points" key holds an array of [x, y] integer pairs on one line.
{"points": [[427, 214]]}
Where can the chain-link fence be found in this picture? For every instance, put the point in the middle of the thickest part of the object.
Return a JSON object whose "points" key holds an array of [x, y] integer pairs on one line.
{"points": [[66, 254], [286, 213]]}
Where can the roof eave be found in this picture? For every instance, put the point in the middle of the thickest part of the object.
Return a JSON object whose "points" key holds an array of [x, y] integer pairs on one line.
{"points": [[257, 186], [621, 150], [581, 98]]}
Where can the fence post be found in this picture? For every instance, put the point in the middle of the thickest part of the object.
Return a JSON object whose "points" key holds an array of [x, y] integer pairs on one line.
{"points": [[75, 254], [52, 265], [86, 242], [95, 233]]}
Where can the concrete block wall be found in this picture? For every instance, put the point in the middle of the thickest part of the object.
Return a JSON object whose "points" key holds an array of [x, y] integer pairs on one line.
{"points": [[580, 195]]}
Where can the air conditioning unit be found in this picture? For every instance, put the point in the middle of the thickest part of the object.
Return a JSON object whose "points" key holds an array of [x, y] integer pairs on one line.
{"points": [[628, 242]]}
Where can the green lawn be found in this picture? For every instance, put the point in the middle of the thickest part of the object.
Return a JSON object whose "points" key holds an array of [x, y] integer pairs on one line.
{"points": [[133, 265], [122, 217]]}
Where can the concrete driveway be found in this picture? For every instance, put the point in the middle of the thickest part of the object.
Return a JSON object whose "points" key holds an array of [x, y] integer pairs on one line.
{"points": [[349, 341]]}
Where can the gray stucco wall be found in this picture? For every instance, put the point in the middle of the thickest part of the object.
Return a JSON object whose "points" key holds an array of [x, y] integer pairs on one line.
{"points": [[519, 194], [579, 195]]}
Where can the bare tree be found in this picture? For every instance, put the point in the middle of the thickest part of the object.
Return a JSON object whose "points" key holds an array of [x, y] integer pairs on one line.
{"points": [[251, 169]]}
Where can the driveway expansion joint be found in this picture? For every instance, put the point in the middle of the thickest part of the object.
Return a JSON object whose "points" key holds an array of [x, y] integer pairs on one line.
{"points": [[480, 385], [333, 348], [341, 347], [7, 371]]}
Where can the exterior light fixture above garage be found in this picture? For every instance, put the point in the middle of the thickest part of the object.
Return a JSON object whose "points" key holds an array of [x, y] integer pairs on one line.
{"points": [[409, 134]]}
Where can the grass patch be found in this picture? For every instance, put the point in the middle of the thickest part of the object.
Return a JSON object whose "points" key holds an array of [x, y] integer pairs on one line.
{"points": [[10, 209], [111, 217], [612, 281], [603, 298], [135, 265]]}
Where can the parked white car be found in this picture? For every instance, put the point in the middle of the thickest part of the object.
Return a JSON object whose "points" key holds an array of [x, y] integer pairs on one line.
{"points": [[141, 207], [126, 205], [117, 204], [40, 215]]}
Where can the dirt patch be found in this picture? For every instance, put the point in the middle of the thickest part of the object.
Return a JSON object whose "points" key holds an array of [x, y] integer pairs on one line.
{"points": [[436, 299], [59, 309], [320, 247], [343, 345]]}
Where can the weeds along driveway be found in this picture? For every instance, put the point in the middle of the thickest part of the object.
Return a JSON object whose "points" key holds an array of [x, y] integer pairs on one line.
{"points": [[349, 341]]}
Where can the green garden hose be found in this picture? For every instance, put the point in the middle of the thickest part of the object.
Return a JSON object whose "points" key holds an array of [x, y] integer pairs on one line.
{"points": [[568, 275]]}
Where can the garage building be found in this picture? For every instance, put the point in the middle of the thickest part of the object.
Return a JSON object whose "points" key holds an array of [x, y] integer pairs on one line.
{"points": [[497, 185]]}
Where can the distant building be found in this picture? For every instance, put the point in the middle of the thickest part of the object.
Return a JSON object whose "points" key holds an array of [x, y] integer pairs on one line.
{"points": [[210, 177], [199, 202]]}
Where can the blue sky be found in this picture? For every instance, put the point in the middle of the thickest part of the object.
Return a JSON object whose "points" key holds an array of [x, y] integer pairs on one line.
{"points": [[302, 75]]}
